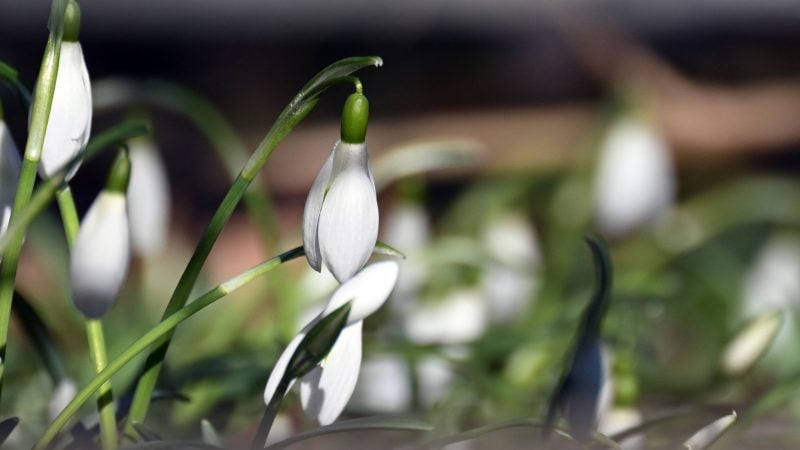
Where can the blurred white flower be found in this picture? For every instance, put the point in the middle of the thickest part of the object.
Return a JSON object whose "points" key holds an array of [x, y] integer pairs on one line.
{"points": [[340, 219], [435, 375], [70, 117], [384, 385], [9, 176], [148, 198], [64, 392], [458, 318], [512, 240], [773, 281], [617, 420], [325, 390], [101, 255], [750, 344], [635, 180], [408, 228], [710, 433]]}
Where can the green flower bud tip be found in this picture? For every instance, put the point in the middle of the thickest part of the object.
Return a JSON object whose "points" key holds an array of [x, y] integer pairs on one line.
{"points": [[120, 173], [355, 116], [72, 21]]}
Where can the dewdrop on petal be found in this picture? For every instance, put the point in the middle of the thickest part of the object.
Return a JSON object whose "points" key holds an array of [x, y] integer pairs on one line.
{"points": [[148, 198], [9, 174], [70, 117], [635, 180], [101, 254], [340, 219]]}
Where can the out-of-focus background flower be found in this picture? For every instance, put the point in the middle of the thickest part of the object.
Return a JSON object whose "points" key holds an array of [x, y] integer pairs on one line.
{"points": [[501, 133]]}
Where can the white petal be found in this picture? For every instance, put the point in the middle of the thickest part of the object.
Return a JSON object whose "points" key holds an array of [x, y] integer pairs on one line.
{"points": [[148, 198], [280, 366], [100, 258], [710, 433], [750, 344], [325, 391], [9, 175], [70, 118], [367, 290], [311, 214], [635, 179], [348, 222]]}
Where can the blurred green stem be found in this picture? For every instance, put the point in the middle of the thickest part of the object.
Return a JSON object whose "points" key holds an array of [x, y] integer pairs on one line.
{"points": [[294, 113], [94, 331], [40, 113], [157, 335]]}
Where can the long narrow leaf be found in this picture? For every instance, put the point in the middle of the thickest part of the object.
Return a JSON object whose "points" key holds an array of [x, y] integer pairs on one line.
{"points": [[381, 423]]}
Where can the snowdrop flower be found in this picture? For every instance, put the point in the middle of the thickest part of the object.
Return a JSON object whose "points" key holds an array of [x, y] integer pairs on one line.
{"points": [[9, 174], [325, 391], [459, 318], [71, 112], [635, 180], [340, 220], [101, 254], [710, 433], [384, 385], [148, 198]]}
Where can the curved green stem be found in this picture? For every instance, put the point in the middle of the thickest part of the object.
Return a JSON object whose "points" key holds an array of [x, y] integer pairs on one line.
{"points": [[157, 335], [300, 106], [40, 114], [94, 331]]}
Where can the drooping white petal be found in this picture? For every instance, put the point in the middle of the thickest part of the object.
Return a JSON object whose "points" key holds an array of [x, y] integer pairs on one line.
{"points": [[710, 433], [311, 214], [9, 176], [325, 391], [281, 364], [101, 255], [148, 198], [70, 118], [348, 222], [635, 179], [367, 290], [752, 342]]}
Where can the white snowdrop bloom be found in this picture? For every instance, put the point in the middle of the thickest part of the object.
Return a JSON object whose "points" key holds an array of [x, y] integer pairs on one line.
{"points": [[9, 175], [435, 376], [508, 291], [408, 228], [325, 390], [340, 219], [70, 119], [383, 385], [148, 198], [773, 281], [752, 342], [635, 179], [101, 254], [459, 318], [63, 393], [617, 420], [511, 240]]}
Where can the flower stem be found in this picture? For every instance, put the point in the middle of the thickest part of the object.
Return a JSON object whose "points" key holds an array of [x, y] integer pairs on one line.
{"points": [[260, 440], [294, 113], [105, 398], [157, 335], [43, 100], [94, 331]]}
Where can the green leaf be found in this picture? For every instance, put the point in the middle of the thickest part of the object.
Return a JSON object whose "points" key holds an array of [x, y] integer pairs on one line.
{"points": [[383, 248], [512, 423], [317, 343], [40, 338], [420, 157], [210, 435], [378, 423]]}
